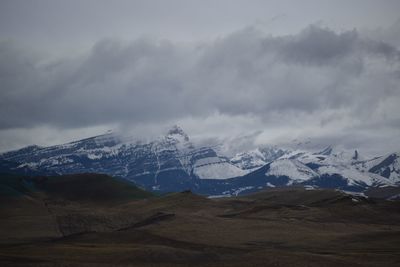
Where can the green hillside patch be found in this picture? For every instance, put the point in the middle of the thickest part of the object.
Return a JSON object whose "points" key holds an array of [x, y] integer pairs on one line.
{"points": [[76, 187], [90, 187]]}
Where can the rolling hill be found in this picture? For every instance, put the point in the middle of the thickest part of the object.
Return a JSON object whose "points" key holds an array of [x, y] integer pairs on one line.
{"points": [[49, 222]]}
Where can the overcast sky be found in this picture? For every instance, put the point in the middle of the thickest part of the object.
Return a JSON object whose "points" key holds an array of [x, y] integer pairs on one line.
{"points": [[326, 70]]}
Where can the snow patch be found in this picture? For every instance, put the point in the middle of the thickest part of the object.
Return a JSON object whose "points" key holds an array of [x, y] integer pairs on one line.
{"points": [[293, 169], [238, 191], [94, 156], [309, 187], [220, 170]]}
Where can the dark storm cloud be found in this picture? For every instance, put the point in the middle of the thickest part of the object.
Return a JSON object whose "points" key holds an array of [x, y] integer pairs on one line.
{"points": [[246, 72], [318, 83], [315, 70], [317, 45], [112, 82]]}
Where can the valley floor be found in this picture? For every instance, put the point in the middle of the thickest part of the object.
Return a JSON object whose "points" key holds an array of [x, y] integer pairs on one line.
{"points": [[280, 227]]}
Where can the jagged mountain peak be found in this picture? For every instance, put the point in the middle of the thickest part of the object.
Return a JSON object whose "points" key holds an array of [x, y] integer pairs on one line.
{"points": [[171, 162], [355, 157], [387, 166], [176, 131], [257, 157], [291, 168]]}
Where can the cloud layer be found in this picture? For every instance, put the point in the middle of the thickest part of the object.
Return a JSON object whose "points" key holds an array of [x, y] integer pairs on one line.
{"points": [[318, 82]]}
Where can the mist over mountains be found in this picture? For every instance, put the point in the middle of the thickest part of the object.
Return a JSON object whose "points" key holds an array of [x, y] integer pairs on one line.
{"points": [[173, 163], [339, 86], [284, 149]]}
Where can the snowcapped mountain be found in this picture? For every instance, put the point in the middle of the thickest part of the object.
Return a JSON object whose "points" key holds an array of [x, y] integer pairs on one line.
{"points": [[294, 169], [253, 159], [216, 168], [173, 163], [330, 164], [169, 163], [387, 166]]}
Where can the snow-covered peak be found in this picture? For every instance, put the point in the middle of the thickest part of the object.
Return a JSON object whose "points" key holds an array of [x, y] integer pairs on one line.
{"points": [[387, 166], [347, 155], [176, 132], [333, 161], [291, 168], [177, 137], [107, 139], [328, 155], [257, 157], [249, 160]]}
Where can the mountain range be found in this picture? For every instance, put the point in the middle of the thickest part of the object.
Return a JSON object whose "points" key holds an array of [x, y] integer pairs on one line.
{"points": [[173, 163]]}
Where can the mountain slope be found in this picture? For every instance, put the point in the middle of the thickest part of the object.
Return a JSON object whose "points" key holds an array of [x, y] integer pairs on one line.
{"points": [[387, 166], [169, 163], [173, 163], [250, 160], [78, 187]]}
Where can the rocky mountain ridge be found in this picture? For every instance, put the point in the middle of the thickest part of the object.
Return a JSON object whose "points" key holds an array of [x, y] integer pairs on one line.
{"points": [[173, 163]]}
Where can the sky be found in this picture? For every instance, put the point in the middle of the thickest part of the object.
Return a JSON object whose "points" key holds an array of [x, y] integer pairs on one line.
{"points": [[273, 70]]}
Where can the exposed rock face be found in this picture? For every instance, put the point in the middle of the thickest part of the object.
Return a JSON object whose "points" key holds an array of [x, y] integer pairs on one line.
{"points": [[173, 163]]}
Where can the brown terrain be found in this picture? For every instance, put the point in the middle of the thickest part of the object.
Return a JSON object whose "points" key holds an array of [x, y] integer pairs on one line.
{"points": [[95, 220]]}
